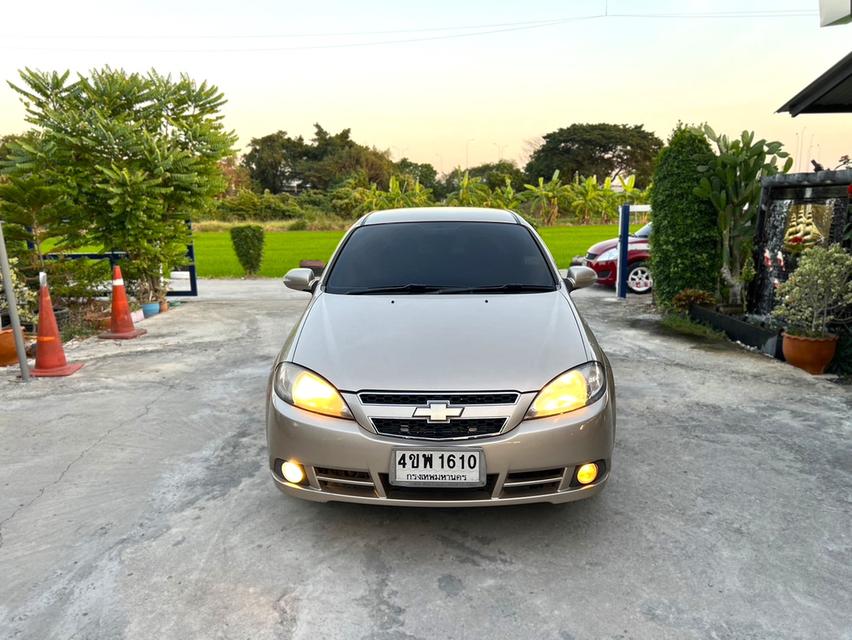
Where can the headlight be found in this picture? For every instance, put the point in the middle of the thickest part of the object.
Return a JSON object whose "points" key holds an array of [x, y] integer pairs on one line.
{"points": [[306, 390], [609, 254], [571, 390]]}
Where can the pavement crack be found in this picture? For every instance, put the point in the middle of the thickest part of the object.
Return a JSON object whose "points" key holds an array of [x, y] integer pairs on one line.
{"points": [[103, 436]]}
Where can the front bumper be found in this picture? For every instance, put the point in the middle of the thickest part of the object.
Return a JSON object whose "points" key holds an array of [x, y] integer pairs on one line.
{"points": [[606, 271], [533, 462]]}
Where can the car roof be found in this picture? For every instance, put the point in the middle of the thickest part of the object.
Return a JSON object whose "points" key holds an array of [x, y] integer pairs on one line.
{"points": [[440, 214]]}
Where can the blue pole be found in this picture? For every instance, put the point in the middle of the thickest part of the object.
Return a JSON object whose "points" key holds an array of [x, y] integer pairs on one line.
{"points": [[623, 242]]}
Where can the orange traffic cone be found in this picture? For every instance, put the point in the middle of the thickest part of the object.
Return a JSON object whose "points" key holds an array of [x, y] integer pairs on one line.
{"points": [[121, 324], [50, 356]]}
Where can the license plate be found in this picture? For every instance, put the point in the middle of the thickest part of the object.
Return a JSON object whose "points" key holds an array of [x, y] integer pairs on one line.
{"points": [[437, 468]]}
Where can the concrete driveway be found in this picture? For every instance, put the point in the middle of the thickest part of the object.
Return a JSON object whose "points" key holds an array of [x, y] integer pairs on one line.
{"points": [[136, 503]]}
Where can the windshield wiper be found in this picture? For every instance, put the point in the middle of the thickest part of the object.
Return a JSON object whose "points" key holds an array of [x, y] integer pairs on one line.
{"points": [[513, 287], [401, 288]]}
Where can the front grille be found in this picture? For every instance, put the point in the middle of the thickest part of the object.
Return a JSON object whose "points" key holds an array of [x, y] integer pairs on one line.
{"points": [[603, 275], [459, 428], [452, 398]]}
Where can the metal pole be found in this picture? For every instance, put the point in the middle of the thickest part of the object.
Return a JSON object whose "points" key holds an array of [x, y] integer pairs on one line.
{"points": [[623, 245], [13, 308]]}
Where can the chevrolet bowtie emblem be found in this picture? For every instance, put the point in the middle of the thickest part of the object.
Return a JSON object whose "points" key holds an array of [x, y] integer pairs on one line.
{"points": [[438, 412]]}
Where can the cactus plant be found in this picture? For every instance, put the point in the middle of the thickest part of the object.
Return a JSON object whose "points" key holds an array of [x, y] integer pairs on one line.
{"points": [[732, 184]]}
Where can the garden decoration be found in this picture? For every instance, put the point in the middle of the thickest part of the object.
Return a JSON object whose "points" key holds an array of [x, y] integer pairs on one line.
{"points": [[809, 225], [817, 292], [795, 209]]}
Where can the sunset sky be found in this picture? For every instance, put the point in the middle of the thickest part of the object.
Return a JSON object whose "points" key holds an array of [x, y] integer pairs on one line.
{"points": [[455, 82]]}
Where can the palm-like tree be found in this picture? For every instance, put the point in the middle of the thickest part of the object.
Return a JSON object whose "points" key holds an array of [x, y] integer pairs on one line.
{"points": [[472, 192], [586, 198], [545, 197]]}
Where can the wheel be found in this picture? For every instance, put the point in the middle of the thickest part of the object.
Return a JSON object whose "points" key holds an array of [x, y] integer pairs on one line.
{"points": [[639, 278]]}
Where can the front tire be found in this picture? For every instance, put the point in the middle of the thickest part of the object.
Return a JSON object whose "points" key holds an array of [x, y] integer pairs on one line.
{"points": [[639, 278]]}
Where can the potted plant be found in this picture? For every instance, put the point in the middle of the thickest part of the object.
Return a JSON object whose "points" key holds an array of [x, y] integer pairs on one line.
{"points": [[149, 297], [164, 303], [816, 292], [27, 304]]}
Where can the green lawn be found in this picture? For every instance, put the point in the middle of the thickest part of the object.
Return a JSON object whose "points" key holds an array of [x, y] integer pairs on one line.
{"points": [[215, 257]]}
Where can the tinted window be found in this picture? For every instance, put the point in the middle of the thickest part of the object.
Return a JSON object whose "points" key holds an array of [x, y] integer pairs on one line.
{"points": [[441, 254], [644, 232]]}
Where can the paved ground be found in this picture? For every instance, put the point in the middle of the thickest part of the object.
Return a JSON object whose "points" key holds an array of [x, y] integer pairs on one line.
{"points": [[135, 503]]}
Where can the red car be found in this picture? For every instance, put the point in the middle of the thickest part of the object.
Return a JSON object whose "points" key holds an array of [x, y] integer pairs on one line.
{"points": [[603, 258]]}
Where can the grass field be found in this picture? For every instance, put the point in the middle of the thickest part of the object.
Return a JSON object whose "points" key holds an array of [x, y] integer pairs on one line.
{"points": [[215, 257]]}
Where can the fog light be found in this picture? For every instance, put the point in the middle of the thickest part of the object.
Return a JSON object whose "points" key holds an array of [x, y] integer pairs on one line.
{"points": [[292, 472], [587, 473]]}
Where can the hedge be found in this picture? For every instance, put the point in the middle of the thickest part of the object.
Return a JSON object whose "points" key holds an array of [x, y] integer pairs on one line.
{"points": [[685, 240], [248, 245]]}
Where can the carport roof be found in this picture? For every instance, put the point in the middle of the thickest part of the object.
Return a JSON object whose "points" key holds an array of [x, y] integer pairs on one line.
{"points": [[830, 93]]}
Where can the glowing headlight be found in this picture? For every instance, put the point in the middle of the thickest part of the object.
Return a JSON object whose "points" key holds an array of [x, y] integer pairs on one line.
{"points": [[307, 390], [609, 254], [569, 391]]}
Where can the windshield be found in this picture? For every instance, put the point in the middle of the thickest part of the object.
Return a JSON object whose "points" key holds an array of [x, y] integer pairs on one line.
{"points": [[440, 257], [644, 232]]}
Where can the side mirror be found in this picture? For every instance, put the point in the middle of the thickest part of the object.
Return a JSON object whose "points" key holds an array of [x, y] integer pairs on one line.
{"points": [[580, 277], [299, 279]]}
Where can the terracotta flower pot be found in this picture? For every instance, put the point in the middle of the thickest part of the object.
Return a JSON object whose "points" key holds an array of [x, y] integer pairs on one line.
{"points": [[164, 306], [810, 354], [8, 355]]}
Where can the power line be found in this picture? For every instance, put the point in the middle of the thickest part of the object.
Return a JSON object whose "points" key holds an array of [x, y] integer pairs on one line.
{"points": [[338, 45], [271, 36], [467, 32]]}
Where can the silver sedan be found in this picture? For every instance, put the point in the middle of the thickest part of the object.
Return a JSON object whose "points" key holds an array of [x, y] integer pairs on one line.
{"points": [[441, 362]]}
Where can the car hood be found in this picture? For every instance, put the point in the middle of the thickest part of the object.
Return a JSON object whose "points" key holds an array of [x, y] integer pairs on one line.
{"points": [[606, 245], [513, 342]]}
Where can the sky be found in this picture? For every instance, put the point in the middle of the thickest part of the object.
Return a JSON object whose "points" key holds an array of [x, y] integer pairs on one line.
{"points": [[457, 83]]}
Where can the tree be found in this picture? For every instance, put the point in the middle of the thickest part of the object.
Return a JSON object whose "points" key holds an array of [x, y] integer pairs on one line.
{"points": [[273, 159], [280, 163], [545, 197], [491, 174], [685, 241], [4, 145], [423, 172], [586, 199], [596, 149], [730, 181], [401, 193], [237, 177], [471, 192], [135, 155]]}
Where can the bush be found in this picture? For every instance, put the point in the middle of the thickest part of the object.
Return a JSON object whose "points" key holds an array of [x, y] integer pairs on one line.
{"points": [[817, 292], [71, 281], [247, 205], [685, 241], [248, 245], [688, 297], [27, 302]]}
